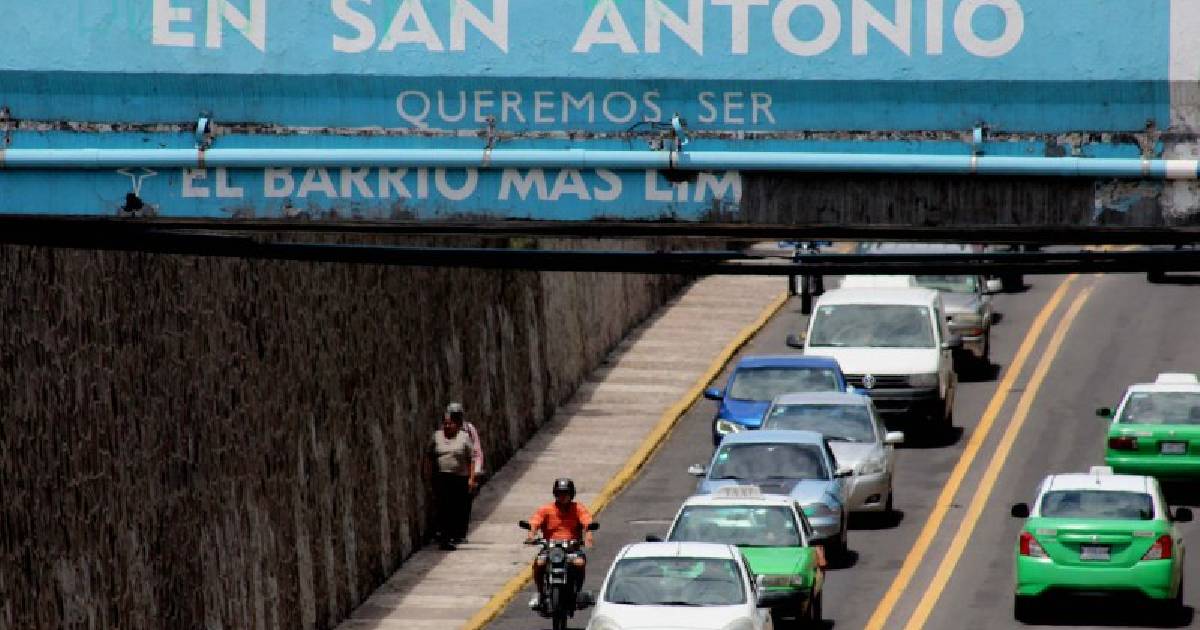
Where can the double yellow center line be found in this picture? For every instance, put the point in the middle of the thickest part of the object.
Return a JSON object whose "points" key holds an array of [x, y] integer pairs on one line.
{"points": [[937, 516]]}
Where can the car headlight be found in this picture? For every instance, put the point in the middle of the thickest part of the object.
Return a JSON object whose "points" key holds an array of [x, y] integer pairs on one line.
{"points": [[725, 427], [923, 380], [818, 510], [781, 580], [872, 466], [602, 623]]}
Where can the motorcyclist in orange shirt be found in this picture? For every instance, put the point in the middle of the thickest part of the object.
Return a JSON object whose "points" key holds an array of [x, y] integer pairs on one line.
{"points": [[563, 519]]}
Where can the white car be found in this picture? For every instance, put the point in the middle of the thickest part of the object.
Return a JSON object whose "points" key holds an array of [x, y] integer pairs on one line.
{"points": [[855, 433], [678, 586], [893, 342]]}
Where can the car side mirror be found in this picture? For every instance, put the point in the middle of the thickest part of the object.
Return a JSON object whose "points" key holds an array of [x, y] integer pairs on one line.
{"points": [[1020, 510], [714, 393], [843, 472], [1183, 515], [894, 437], [796, 340], [993, 285], [1104, 412], [953, 342], [523, 524], [697, 470], [593, 526], [653, 538]]}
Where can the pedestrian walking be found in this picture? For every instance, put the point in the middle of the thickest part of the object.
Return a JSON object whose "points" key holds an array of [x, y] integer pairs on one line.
{"points": [[455, 410], [453, 479]]}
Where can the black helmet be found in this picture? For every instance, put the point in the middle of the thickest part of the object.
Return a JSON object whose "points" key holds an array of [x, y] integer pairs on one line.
{"points": [[562, 484]]}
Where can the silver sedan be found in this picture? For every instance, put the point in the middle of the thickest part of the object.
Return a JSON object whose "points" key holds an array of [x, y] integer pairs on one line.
{"points": [[857, 437]]}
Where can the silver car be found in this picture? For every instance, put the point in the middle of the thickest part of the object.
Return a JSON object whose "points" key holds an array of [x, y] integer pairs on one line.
{"points": [[858, 438]]}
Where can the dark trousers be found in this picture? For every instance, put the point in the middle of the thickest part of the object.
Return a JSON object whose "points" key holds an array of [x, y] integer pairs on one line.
{"points": [[451, 497]]}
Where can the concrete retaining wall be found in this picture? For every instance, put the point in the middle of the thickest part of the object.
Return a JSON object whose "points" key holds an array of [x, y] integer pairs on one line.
{"points": [[217, 443]]}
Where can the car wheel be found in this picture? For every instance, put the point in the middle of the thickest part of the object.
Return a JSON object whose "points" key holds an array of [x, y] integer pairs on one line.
{"points": [[1025, 608], [816, 612], [889, 509], [1176, 612]]}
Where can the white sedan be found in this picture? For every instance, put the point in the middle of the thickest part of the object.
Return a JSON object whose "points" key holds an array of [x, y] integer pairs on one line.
{"points": [[678, 586]]}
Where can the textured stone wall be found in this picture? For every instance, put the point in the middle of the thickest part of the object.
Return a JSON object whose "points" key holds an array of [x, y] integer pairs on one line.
{"points": [[219, 443]]}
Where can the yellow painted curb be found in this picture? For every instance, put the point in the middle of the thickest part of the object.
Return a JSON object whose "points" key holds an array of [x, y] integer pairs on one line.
{"points": [[635, 462]]}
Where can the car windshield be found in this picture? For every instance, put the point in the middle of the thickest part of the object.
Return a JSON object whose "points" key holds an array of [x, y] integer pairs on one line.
{"points": [[872, 326], [766, 383], [746, 526], [952, 284], [851, 423], [1101, 504], [757, 462], [1162, 408], [675, 582]]}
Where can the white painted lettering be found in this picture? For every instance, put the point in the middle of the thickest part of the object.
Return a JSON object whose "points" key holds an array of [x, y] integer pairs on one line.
{"points": [[451, 193], [483, 100], [653, 192], [739, 22], [730, 182], [1014, 27], [733, 102], [864, 14], [462, 107], [354, 180], [254, 28], [417, 119], [830, 30], [317, 180], [761, 102], [541, 103], [605, 12], [630, 103], [706, 101], [650, 101], [359, 22], [511, 102], [225, 190], [495, 28], [570, 102], [570, 182], [163, 16], [422, 183], [278, 183], [423, 33], [691, 31], [190, 177], [511, 178], [393, 178], [615, 185], [934, 29]]}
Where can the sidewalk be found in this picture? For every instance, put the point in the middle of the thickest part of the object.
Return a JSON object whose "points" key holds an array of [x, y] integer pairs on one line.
{"points": [[599, 438]]}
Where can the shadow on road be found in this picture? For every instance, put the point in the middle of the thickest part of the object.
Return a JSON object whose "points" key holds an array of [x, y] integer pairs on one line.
{"points": [[917, 437], [1087, 611], [870, 522]]}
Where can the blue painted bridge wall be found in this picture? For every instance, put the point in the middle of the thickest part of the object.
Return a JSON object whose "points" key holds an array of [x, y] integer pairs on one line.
{"points": [[878, 76]]}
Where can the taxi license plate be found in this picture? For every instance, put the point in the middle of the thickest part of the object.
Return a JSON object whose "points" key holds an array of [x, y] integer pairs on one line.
{"points": [[1172, 448], [1093, 552]]}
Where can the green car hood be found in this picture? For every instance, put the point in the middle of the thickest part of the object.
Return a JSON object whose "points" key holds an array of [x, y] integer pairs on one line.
{"points": [[783, 561]]}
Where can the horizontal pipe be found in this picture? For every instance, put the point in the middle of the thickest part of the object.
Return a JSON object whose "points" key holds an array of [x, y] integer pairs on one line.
{"points": [[869, 163]]}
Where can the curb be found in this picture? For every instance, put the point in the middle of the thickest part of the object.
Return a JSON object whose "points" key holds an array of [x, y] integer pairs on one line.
{"points": [[634, 464]]}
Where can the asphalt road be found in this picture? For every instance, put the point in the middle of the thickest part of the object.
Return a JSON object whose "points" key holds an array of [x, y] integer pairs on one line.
{"points": [[1112, 331]]}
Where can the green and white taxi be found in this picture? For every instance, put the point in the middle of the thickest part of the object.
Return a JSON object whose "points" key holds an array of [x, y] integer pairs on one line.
{"points": [[1099, 532], [773, 534], [1156, 429]]}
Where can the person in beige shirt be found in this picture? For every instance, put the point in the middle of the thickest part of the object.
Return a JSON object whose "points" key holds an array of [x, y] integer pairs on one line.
{"points": [[453, 480]]}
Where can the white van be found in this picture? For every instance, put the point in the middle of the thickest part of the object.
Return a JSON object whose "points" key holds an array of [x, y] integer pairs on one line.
{"points": [[892, 342]]}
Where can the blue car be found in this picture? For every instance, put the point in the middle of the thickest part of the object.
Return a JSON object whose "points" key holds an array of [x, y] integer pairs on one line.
{"points": [[756, 381], [799, 464]]}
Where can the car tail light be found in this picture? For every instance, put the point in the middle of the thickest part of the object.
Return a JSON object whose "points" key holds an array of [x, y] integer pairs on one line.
{"points": [[1122, 443], [1161, 550], [1029, 546]]}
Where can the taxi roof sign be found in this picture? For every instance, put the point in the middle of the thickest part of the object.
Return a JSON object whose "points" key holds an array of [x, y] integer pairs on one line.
{"points": [[1100, 470], [738, 492], [1177, 378]]}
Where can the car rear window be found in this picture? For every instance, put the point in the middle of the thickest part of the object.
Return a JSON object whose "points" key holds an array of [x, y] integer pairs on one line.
{"points": [[767, 383], [1162, 408], [742, 525], [1100, 504]]}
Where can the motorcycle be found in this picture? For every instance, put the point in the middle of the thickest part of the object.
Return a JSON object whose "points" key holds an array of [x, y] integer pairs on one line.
{"points": [[563, 596]]}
